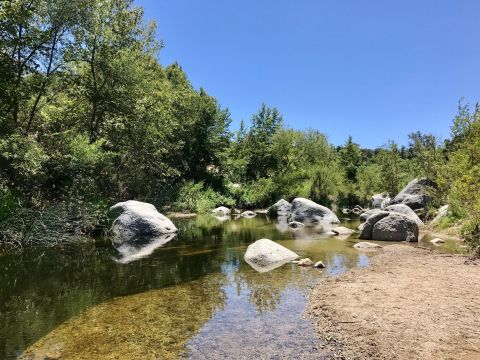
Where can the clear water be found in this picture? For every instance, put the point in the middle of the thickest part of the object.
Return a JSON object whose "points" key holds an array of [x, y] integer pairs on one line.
{"points": [[192, 297]]}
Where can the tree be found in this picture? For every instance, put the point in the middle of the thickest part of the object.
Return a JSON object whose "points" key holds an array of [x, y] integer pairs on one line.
{"points": [[350, 158]]}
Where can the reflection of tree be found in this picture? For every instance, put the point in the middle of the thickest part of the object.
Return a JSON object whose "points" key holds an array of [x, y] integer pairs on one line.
{"points": [[153, 324], [265, 289]]}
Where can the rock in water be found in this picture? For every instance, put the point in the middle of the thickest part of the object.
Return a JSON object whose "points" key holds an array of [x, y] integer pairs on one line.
{"points": [[265, 255], [405, 210], [222, 210], [415, 194], [319, 265], [341, 230], [282, 207], [366, 245], [138, 218], [307, 211], [437, 241], [248, 214], [296, 225], [305, 262], [367, 229], [395, 227]]}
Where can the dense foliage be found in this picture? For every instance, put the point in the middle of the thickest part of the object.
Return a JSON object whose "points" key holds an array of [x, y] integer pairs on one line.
{"points": [[88, 116]]}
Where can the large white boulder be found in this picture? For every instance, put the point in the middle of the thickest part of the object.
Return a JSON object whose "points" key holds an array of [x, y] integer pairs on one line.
{"points": [[306, 211], [139, 218], [265, 255]]}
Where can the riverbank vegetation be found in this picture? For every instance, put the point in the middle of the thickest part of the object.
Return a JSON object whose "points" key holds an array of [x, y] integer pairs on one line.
{"points": [[88, 117]]}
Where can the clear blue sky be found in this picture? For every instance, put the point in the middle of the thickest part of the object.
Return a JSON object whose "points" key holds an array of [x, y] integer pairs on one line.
{"points": [[373, 69]]}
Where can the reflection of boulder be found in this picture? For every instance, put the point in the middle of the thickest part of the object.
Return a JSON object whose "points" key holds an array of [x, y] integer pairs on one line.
{"points": [[265, 255], [223, 218], [140, 247], [138, 218], [282, 224], [154, 324]]}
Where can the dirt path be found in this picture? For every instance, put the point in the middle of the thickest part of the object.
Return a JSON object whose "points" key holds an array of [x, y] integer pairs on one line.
{"points": [[411, 304]]}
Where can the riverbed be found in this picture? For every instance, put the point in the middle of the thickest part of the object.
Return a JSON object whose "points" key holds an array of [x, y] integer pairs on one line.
{"points": [[192, 296]]}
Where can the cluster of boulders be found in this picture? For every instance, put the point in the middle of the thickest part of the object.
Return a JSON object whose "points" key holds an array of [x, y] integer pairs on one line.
{"points": [[396, 219], [303, 212]]}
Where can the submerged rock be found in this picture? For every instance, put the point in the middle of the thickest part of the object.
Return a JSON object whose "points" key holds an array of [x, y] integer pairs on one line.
{"points": [[248, 214], [305, 262], [415, 194], [366, 245], [138, 218], [307, 211], [395, 227], [222, 211], [265, 255], [405, 210]]}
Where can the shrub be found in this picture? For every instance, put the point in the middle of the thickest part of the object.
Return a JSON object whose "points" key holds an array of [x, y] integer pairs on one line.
{"points": [[195, 197]]}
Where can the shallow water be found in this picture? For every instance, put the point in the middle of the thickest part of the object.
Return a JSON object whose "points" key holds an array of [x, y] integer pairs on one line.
{"points": [[191, 296]]}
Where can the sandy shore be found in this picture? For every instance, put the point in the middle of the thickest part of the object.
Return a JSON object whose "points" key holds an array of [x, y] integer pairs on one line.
{"points": [[410, 304]]}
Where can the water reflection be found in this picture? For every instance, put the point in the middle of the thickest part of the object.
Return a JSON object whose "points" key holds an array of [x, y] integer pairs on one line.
{"points": [[139, 247], [52, 289]]}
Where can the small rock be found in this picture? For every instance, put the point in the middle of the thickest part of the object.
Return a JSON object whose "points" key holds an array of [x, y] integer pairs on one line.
{"points": [[366, 245], [52, 356], [437, 241], [319, 265], [248, 214], [341, 230], [296, 225], [222, 210], [305, 262]]}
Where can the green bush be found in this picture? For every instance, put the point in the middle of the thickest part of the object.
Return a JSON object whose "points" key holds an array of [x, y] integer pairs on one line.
{"points": [[195, 197]]}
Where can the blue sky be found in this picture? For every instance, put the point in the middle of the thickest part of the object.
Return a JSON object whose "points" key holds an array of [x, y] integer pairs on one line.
{"points": [[373, 69]]}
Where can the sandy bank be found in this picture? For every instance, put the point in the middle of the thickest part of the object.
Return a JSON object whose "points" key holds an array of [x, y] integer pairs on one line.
{"points": [[410, 304]]}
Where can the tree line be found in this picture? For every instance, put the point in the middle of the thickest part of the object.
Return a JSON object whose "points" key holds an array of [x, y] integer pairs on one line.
{"points": [[89, 116]]}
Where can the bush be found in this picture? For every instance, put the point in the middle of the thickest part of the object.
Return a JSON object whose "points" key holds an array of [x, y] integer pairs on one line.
{"points": [[54, 224], [195, 197]]}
